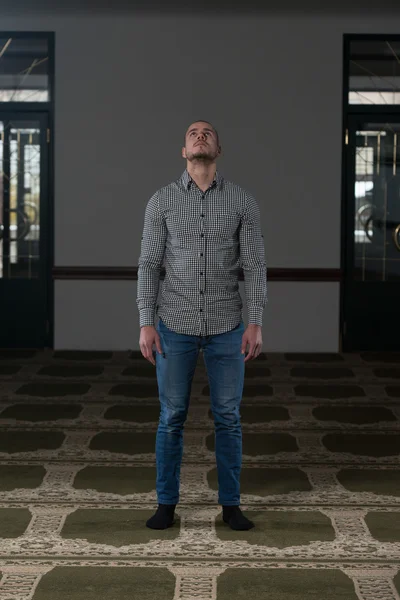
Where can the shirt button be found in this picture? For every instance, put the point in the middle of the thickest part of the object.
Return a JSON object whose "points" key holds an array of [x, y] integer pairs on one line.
{"points": [[201, 254], [202, 235], [201, 273], [202, 215]]}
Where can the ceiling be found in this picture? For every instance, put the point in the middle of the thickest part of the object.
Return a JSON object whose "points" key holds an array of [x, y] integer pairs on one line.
{"points": [[322, 7]]}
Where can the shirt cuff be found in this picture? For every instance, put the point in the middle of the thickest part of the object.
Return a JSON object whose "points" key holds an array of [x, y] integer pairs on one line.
{"points": [[255, 314], [146, 317]]}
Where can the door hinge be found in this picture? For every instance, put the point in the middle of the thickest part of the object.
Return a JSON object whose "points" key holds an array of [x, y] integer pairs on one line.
{"points": [[48, 135], [346, 139], [344, 328]]}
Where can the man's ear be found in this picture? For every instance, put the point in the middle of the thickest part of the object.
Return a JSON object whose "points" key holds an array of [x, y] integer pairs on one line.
{"points": [[183, 152]]}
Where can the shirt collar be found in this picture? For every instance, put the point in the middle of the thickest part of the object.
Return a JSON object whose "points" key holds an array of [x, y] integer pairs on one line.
{"points": [[187, 180]]}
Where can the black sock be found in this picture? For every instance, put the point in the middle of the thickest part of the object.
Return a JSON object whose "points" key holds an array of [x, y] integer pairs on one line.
{"points": [[163, 518], [228, 510], [236, 519]]}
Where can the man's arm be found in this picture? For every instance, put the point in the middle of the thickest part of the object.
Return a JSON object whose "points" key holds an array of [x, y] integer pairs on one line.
{"points": [[252, 259], [150, 261]]}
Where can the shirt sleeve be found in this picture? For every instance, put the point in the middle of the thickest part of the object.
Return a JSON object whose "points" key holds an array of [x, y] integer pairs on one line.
{"points": [[150, 261], [252, 260]]}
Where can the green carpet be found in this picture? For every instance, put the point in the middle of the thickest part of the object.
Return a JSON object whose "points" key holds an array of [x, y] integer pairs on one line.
{"points": [[116, 480], [28, 441], [320, 479], [255, 444], [74, 371], [53, 390], [322, 373], [82, 355], [353, 414], [363, 444], [115, 527], [306, 357], [261, 414], [20, 476], [330, 392], [267, 482], [133, 414], [278, 529], [9, 369], [132, 442], [393, 391], [41, 412], [384, 527], [105, 583], [285, 584], [383, 482], [13, 522]]}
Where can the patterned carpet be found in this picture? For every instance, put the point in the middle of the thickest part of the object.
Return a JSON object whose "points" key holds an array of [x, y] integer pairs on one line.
{"points": [[320, 479]]}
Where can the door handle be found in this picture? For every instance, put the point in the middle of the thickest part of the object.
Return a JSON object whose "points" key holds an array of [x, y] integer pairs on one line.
{"points": [[396, 237]]}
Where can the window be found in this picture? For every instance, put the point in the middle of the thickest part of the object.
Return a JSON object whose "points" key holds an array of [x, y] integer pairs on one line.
{"points": [[374, 72], [24, 69]]}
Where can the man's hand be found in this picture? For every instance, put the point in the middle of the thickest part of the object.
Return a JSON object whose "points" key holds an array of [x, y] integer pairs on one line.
{"points": [[253, 337], [148, 338]]}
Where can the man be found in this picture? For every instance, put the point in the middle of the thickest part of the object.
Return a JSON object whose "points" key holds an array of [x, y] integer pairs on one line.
{"points": [[205, 228]]}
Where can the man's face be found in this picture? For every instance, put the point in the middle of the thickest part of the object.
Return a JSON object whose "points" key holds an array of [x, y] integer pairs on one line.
{"points": [[201, 143]]}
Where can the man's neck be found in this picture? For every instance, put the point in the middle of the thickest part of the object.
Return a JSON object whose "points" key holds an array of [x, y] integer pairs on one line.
{"points": [[202, 174]]}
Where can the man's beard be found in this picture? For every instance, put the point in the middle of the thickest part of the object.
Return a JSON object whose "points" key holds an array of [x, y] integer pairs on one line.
{"points": [[201, 156]]}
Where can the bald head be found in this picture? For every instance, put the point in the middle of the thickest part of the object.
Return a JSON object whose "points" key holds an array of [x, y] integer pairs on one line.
{"points": [[201, 124]]}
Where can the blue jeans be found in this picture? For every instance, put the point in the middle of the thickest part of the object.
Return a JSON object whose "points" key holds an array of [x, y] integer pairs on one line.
{"points": [[175, 369]]}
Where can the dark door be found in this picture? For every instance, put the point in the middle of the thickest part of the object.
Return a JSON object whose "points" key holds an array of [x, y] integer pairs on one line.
{"points": [[371, 299], [24, 231]]}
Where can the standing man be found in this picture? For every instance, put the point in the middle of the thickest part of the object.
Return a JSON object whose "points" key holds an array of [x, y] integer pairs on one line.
{"points": [[206, 228]]}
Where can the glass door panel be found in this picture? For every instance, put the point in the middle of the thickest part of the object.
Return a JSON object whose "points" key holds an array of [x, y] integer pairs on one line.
{"points": [[24, 252], [372, 269]]}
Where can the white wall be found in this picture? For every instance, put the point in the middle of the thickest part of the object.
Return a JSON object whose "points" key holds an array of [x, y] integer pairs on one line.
{"points": [[101, 315], [126, 89]]}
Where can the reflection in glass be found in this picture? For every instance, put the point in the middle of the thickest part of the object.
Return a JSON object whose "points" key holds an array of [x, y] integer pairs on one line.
{"points": [[2, 177], [377, 203], [20, 199], [374, 72], [24, 65]]}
